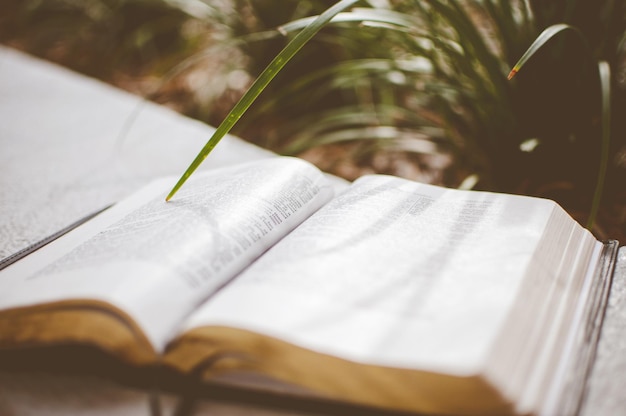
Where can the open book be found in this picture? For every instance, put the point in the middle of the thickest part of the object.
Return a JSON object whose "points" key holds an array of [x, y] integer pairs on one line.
{"points": [[386, 293]]}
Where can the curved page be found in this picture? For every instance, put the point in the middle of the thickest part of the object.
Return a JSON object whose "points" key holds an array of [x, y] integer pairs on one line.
{"points": [[157, 261]]}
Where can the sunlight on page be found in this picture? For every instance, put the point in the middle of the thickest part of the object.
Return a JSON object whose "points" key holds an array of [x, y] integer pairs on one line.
{"points": [[394, 273], [158, 260]]}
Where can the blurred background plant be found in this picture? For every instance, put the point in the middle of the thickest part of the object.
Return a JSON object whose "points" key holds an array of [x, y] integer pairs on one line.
{"points": [[412, 88]]}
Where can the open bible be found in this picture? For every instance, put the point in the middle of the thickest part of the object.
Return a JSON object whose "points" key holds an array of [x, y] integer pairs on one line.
{"points": [[384, 292]]}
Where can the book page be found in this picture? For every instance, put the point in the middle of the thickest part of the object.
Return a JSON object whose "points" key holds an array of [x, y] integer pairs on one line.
{"points": [[391, 273], [157, 260]]}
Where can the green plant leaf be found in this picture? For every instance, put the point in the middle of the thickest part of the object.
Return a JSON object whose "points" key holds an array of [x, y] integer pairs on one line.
{"points": [[605, 87], [362, 15], [545, 36], [604, 73], [259, 85], [334, 126]]}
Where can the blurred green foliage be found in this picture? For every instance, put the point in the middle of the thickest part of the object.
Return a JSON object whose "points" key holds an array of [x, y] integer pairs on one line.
{"points": [[100, 37], [409, 87]]}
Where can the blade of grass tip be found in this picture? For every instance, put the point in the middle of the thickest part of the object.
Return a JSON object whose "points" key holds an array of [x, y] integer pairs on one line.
{"points": [[605, 86], [541, 40], [259, 85]]}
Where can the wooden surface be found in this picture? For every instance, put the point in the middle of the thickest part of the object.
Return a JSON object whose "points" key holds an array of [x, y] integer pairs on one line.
{"points": [[72, 145], [64, 155]]}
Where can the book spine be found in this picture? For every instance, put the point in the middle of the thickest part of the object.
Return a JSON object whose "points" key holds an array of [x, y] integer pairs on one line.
{"points": [[580, 364]]}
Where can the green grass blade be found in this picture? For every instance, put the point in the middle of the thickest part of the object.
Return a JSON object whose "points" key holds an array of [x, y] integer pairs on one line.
{"points": [[541, 40], [259, 85], [360, 15], [605, 86], [384, 133], [180, 68], [312, 130]]}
